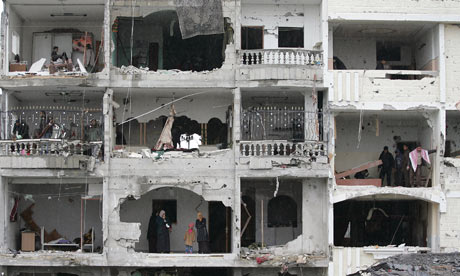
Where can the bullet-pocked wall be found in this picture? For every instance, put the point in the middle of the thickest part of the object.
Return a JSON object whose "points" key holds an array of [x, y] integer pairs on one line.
{"points": [[272, 17]]}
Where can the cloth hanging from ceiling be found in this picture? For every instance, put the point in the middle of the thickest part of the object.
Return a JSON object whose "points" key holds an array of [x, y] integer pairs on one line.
{"points": [[199, 17], [165, 140]]}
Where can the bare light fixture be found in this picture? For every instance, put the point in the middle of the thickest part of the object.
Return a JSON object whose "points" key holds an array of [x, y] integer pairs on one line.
{"points": [[68, 14]]}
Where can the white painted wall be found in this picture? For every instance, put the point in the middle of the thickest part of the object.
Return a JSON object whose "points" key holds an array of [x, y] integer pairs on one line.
{"points": [[273, 15], [15, 23], [28, 28], [361, 52], [348, 155], [60, 213], [452, 50], [453, 131], [427, 49], [422, 7], [187, 205], [449, 223]]}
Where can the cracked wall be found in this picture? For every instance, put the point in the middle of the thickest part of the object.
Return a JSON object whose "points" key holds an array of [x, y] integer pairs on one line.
{"points": [[272, 15]]}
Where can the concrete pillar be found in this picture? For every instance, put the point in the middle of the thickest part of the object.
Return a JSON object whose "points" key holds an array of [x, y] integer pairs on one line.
{"points": [[314, 215], [107, 37], [236, 116], [433, 231], [442, 65], [108, 123], [237, 271], [236, 218], [3, 214], [439, 139]]}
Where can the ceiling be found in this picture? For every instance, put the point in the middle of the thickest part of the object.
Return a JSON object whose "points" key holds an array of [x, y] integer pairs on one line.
{"points": [[395, 31], [41, 10], [30, 94]]}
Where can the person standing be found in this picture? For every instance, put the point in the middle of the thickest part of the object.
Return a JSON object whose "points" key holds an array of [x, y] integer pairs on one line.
{"points": [[418, 158], [387, 165], [189, 239], [152, 233], [163, 229], [202, 234], [399, 158], [406, 166]]}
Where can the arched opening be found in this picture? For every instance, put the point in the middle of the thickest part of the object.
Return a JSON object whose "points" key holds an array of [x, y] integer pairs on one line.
{"points": [[282, 212], [158, 44], [181, 207], [364, 222]]}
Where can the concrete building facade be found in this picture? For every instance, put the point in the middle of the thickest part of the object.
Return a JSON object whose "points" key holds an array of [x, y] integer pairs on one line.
{"points": [[288, 96]]}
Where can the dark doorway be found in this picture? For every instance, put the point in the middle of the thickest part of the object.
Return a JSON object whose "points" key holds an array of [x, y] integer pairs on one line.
{"points": [[219, 227], [290, 37], [252, 38], [249, 235], [153, 56]]}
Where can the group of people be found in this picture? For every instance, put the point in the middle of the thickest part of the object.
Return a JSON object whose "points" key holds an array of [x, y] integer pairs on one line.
{"points": [[160, 228], [407, 166]]}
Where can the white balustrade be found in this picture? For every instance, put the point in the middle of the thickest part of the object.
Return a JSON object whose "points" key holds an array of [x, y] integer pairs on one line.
{"points": [[281, 57], [45, 147], [310, 149]]}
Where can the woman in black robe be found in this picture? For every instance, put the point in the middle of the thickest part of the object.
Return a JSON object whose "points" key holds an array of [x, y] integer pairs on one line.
{"points": [[163, 229], [202, 234], [152, 233]]}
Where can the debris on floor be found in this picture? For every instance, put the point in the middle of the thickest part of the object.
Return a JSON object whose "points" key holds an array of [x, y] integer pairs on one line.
{"points": [[415, 264]]}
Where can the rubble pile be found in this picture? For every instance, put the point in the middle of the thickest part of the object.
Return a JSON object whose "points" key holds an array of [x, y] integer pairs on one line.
{"points": [[275, 256], [131, 70], [415, 265]]}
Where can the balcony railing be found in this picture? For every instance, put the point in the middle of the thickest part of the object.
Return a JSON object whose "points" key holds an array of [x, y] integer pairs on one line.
{"points": [[287, 123], [48, 147], [309, 149], [281, 57]]}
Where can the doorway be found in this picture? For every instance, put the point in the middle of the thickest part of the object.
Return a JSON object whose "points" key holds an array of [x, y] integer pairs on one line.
{"points": [[153, 56], [219, 227]]}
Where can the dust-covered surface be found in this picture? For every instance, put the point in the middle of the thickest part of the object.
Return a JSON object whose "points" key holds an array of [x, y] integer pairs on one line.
{"points": [[416, 264]]}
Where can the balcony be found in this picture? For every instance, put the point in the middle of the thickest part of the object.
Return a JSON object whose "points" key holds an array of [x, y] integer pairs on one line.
{"points": [[384, 86], [282, 138], [280, 64]]}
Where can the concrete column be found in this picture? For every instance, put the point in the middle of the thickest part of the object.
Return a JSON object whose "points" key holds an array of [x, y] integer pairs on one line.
{"points": [[3, 214], [433, 231], [108, 123], [236, 116], [236, 218], [314, 215], [6, 96], [107, 37], [442, 65], [237, 27], [439, 139]]}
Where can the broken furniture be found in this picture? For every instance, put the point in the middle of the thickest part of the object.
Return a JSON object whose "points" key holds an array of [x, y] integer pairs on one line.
{"points": [[85, 244], [28, 241], [55, 245], [377, 182]]}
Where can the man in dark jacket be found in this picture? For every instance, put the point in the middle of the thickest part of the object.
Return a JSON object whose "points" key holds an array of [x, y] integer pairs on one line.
{"points": [[406, 165], [387, 165]]}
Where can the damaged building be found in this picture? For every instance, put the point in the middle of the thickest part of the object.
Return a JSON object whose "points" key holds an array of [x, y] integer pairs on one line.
{"points": [[245, 137]]}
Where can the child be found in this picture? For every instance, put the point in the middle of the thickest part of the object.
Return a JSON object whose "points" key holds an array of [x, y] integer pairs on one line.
{"points": [[189, 238]]}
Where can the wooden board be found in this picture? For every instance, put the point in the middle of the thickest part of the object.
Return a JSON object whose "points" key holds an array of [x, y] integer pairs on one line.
{"points": [[377, 182], [359, 168]]}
